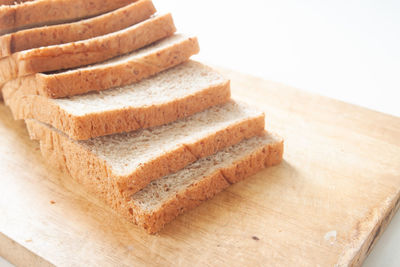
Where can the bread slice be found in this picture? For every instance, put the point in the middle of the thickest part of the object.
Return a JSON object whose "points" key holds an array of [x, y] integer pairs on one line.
{"points": [[164, 199], [119, 71], [86, 52], [175, 93], [28, 14], [131, 160], [76, 31]]}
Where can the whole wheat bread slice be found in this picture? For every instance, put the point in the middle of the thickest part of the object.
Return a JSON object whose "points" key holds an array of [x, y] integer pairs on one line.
{"points": [[164, 199], [94, 50], [120, 71], [175, 93], [76, 31], [28, 14], [131, 160]]}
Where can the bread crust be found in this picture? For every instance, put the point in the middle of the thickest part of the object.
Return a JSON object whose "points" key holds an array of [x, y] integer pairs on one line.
{"points": [[265, 156], [69, 157], [76, 31], [101, 78], [179, 158], [49, 12], [168, 162], [86, 52], [114, 121]]}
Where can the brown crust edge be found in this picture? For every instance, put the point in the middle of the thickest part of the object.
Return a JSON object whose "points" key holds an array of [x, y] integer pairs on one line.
{"points": [[69, 157], [57, 86], [115, 121], [168, 163], [60, 85], [179, 158], [32, 13], [265, 156], [94, 50], [75, 54], [75, 31]]}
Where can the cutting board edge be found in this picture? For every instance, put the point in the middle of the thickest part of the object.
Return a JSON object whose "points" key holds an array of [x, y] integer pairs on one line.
{"points": [[19, 255], [356, 252]]}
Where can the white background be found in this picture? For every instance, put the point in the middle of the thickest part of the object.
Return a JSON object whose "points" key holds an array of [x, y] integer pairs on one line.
{"points": [[348, 50], [344, 49]]}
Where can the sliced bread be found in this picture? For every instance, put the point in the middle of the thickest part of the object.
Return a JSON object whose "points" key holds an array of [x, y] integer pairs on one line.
{"points": [[175, 93], [131, 160], [164, 199], [119, 71], [27, 14], [94, 50], [76, 31]]}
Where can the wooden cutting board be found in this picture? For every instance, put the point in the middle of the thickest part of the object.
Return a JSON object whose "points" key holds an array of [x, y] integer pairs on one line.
{"points": [[326, 204]]}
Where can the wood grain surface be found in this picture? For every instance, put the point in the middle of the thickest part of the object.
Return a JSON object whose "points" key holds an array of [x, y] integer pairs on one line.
{"points": [[325, 205]]}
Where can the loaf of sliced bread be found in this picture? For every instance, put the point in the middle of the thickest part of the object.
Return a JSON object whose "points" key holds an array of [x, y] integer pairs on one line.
{"points": [[76, 31], [175, 93], [119, 71], [28, 14], [131, 160], [94, 50], [164, 199]]}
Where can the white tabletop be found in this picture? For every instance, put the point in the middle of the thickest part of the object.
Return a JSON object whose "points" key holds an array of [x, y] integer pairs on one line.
{"points": [[348, 50]]}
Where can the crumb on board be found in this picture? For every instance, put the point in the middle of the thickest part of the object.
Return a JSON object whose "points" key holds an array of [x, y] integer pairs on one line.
{"points": [[52, 202], [330, 236], [255, 238]]}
